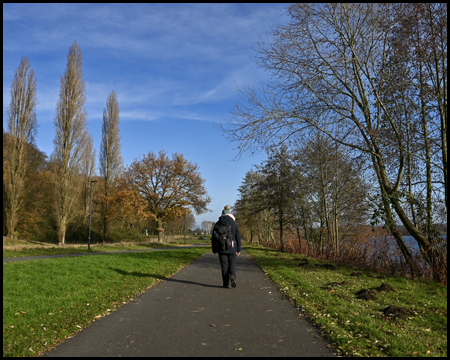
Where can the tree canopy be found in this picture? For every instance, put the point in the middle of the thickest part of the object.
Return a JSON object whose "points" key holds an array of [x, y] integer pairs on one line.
{"points": [[340, 69], [168, 186]]}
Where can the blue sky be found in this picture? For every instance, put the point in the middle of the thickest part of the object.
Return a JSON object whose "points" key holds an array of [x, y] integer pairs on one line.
{"points": [[174, 68]]}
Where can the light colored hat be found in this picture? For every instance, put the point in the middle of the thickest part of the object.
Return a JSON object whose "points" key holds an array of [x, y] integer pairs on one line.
{"points": [[226, 210]]}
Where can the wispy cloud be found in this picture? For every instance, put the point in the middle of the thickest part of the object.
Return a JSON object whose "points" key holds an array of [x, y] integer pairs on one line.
{"points": [[174, 67]]}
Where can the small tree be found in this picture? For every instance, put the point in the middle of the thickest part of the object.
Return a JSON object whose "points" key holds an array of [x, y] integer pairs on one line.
{"points": [[207, 226], [277, 187]]}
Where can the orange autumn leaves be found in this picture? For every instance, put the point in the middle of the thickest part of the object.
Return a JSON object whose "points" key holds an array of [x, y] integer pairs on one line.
{"points": [[160, 187]]}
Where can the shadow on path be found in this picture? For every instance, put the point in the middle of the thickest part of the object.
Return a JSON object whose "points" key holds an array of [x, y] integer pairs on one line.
{"points": [[190, 315], [160, 277]]}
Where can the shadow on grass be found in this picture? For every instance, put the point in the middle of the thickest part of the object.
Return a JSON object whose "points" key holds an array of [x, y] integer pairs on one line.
{"points": [[262, 249], [138, 274]]}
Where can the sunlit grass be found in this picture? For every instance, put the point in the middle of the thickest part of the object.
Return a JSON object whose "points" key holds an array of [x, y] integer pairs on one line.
{"points": [[359, 327], [45, 301], [23, 248]]}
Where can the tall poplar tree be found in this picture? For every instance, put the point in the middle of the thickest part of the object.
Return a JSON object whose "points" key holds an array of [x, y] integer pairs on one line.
{"points": [[71, 135], [22, 128], [110, 157]]}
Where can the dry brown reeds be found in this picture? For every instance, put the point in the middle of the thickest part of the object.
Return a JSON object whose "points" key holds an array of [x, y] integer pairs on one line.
{"points": [[374, 251]]}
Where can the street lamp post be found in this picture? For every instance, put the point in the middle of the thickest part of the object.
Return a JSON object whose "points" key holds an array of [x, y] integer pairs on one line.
{"points": [[185, 228], [90, 217]]}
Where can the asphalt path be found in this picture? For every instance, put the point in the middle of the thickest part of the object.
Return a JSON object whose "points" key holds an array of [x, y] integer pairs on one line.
{"points": [[190, 314], [26, 258]]}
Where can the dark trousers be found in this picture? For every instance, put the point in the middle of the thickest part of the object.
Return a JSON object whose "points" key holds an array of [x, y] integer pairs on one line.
{"points": [[228, 266]]}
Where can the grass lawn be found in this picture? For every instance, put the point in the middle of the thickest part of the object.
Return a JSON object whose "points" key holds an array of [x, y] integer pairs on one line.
{"points": [[357, 326], [46, 301], [22, 248]]}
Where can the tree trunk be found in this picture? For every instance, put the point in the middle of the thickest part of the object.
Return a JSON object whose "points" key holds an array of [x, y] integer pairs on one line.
{"points": [[280, 222], [299, 239], [62, 232], [390, 221], [160, 230], [11, 224]]}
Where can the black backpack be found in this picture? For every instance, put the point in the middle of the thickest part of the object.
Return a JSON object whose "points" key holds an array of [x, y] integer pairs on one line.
{"points": [[222, 238]]}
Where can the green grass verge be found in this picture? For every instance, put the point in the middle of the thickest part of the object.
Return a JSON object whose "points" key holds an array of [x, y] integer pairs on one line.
{"points": [[46, 301], [359, 327], [34, 249], [56, 250]]}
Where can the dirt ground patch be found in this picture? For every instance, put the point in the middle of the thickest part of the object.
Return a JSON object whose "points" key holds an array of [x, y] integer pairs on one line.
{"points": [[367, 294], [356, 273], [385, 287], [393, 312]]}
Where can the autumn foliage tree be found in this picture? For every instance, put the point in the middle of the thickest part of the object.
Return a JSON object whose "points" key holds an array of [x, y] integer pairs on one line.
{"points": [[167, 186]]}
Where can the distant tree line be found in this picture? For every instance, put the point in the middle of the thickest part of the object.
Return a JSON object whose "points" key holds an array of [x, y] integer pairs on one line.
{"points": [[49, 199], [372, 78], [316, 191]]}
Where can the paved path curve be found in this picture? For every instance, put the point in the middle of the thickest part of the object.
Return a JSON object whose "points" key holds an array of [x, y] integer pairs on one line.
{"points": [[190, 314]]}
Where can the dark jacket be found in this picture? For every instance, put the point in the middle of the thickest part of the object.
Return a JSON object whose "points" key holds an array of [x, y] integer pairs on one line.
{"points": [[227, 220]]}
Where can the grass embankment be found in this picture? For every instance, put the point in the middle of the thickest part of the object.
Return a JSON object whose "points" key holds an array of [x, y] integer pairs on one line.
{"points": [[23, 248], [46, 301], [357, 326]]}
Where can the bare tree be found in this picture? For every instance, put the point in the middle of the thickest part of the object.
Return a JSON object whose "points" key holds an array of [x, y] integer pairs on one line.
{"points": [[207, 226], [329, 68], [70, 139], [22, 128], [332, 187], [110, 157]]}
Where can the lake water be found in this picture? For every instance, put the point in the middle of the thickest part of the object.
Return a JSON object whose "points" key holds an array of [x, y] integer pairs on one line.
{"points": [[410, 242]]}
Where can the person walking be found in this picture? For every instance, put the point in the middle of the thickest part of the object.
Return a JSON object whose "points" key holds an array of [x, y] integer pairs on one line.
{"points": [[227, 257]]}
